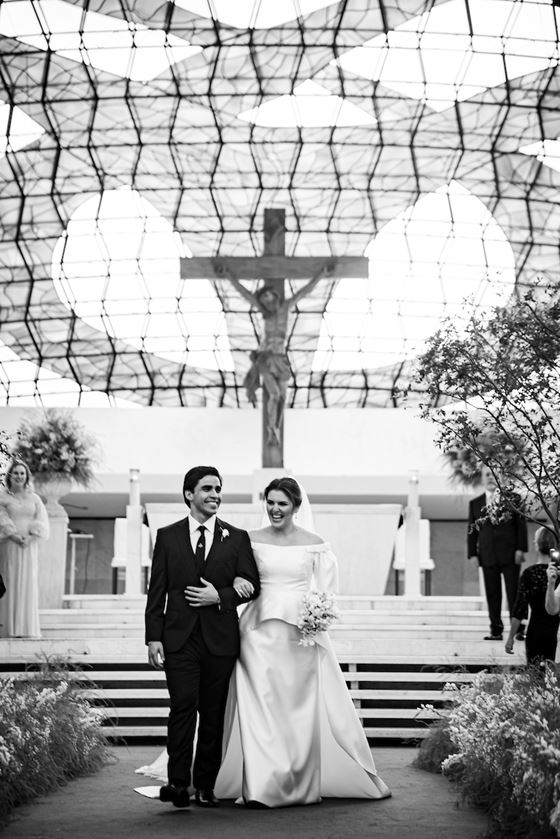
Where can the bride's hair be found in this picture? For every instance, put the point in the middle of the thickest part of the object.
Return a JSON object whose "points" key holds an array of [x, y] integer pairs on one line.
{"points": [[289, 486]]}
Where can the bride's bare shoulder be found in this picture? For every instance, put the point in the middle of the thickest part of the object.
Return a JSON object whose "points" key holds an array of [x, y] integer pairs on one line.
{"points": [[260, 535], [309, 538]]}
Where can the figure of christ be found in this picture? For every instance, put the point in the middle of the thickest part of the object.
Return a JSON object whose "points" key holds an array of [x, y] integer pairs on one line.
{"points": [[270, 366]]}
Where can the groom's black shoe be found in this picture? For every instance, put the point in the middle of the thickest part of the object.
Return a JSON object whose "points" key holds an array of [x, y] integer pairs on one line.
{"points": [[178, 796], [206, 798]]}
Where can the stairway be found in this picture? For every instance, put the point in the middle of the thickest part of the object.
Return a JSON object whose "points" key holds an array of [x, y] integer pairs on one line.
{"points": [[396, 655]]}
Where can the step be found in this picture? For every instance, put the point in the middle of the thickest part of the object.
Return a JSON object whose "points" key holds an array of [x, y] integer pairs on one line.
{"points": [[389, 687], [158, 733], [136, 678], [367, 649], [132, 676], [146, 694], [341, 635], [55, 618], [345, 601]]}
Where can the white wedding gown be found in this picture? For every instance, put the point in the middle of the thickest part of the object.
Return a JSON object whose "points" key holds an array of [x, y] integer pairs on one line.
{"points": [[292, 735]]}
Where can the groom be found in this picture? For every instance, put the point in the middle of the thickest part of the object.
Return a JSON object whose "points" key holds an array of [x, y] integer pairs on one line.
{"points": [[192, 630]]}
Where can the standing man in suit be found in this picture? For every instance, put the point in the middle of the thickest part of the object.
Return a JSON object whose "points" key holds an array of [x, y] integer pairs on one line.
{"points": [[192, 630], [500, 550]]}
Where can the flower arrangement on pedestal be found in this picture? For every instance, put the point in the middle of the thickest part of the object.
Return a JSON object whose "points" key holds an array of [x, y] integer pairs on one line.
{"points": [[57, 448], [5, 450]]}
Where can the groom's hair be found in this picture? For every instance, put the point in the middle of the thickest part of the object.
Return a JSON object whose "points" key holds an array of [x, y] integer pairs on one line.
{"points": [[194, 475]]}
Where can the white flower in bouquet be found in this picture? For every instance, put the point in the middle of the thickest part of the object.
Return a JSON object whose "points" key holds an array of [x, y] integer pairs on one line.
{"points": [[317, 613]]}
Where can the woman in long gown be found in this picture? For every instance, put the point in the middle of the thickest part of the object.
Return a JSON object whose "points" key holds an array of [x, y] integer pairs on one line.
{"points": [[23, 521], [292, 735]]}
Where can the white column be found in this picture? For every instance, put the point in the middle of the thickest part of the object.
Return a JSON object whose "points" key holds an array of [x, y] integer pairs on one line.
{"points": [[134, 515], [53, 551], [412, 586]]}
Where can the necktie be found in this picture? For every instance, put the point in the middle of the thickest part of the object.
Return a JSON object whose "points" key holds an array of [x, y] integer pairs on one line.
{"points": [[200, 553]]}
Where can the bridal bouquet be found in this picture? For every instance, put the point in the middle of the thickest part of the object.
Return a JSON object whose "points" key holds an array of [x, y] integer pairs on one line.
{"points": [[318, 611]]}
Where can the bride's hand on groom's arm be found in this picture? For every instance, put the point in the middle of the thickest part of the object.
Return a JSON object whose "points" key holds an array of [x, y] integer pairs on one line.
{"points": [[205, 595], [243, 587]]}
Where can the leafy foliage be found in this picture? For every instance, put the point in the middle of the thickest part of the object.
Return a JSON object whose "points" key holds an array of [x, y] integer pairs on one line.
{"points": [[503, 735], [500, 379], [48, 733]]}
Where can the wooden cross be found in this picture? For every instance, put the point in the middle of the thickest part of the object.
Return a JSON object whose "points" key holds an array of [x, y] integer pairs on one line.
{"points": [[270, 369]]}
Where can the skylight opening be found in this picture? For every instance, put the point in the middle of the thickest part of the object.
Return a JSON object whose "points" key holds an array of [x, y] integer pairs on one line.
{"points": [[17, 130], [253, 14], [310, 106], [546, 151], [124, 49], [118, 268], [435, 58], [24, 383], [423, 265]]}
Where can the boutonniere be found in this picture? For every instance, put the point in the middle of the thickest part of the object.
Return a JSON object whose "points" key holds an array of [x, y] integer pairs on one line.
{"points": [[224, 533]]}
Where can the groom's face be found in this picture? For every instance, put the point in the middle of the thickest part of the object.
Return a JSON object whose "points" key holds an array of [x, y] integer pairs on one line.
{"points": [[205, 497]]}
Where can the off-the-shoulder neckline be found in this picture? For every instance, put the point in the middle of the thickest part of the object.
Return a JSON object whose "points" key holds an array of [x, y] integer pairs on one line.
{"points": [[313, 545]]}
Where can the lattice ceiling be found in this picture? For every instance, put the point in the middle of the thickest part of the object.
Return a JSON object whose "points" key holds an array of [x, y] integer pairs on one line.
{"points": [[422, 134]]}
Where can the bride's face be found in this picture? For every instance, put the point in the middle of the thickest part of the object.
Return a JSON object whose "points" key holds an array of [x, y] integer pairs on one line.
{"points": [[280, 509]]}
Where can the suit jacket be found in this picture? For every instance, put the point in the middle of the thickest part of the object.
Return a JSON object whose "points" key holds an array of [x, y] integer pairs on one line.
{"points": [[494, 544], [169, 617]]}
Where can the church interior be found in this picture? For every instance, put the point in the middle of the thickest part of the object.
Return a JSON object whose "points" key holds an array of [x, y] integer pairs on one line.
{"points": [[370, 165]]}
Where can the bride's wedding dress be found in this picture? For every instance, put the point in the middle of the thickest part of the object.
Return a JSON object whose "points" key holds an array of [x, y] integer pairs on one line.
{"points": [[292, 735]]}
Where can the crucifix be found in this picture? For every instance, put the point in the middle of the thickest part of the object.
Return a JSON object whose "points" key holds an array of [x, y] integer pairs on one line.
{"points": [[270, 367]]}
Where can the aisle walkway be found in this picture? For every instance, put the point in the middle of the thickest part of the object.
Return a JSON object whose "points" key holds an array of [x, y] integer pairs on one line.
{"points": [[104, 806]]}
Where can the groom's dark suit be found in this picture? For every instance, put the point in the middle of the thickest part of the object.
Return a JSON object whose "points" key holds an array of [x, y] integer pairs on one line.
{"points": [[200, 644]]}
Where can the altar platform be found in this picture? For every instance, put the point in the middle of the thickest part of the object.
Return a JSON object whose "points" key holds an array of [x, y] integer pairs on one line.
{"points": [[397, 655]]}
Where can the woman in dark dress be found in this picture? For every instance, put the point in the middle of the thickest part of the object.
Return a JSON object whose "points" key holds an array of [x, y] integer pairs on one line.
{"points": [[542, 631]]}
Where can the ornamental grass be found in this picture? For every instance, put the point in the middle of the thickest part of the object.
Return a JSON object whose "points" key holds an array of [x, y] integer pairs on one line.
{"points": [[501, 741], [49, 733]]}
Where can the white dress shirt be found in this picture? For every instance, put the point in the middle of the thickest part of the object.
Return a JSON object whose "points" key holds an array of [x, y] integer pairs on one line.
{"points": [[194, 532]]}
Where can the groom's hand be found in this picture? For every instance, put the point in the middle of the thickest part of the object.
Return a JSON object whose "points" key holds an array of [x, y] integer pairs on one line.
{"points": [[205, 596], [155, 654]]}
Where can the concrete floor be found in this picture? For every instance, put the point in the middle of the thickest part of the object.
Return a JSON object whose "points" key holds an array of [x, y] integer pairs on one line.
{"points": [[104, 806]]}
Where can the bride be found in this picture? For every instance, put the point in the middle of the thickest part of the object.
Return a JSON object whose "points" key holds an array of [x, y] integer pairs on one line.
{"points": [[292, 735]]}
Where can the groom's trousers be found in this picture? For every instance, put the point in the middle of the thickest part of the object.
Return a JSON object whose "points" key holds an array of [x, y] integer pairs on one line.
{"points": [[198, 684]]}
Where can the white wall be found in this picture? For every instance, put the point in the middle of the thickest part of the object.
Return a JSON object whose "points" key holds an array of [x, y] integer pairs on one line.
{"points": [[336, 452], [346, 441], [317, 441]]}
